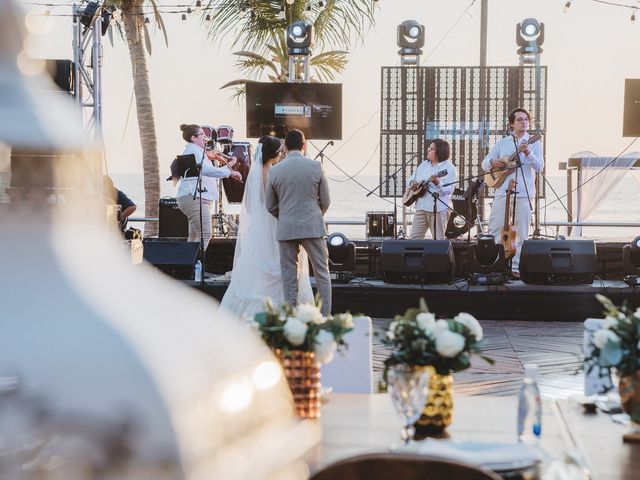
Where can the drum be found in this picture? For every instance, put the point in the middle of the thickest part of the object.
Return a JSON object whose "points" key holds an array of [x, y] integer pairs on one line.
{"points": [[225, 134], [380, 225], [232, 188]]}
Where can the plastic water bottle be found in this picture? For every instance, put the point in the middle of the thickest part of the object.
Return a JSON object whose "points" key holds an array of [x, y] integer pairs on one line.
{"points": [[197, 271], [529, 407]]}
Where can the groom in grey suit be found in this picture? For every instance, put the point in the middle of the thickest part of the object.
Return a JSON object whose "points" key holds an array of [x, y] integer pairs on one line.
{"points": [[298, 196]]}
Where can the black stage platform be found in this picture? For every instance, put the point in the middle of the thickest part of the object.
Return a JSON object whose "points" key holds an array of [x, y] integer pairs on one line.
{"points": [[514, 300]]}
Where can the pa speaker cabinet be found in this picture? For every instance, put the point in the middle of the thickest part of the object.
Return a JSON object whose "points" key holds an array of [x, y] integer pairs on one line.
{"points": [[174, 258], [564, 262], [173, 223], [631, 116], [417, 261]]}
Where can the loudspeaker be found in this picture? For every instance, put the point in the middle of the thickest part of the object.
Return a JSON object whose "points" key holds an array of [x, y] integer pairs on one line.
{"points": [[61, 71], [549, 262], [173, 258], [631, 118], [173, 223], [417, 261]]}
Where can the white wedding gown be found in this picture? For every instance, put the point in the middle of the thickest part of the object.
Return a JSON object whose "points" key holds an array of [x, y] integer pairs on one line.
{"points": [[256, 262]]}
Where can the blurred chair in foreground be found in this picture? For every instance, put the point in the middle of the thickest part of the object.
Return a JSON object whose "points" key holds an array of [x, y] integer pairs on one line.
{"points": [[392, 466]]}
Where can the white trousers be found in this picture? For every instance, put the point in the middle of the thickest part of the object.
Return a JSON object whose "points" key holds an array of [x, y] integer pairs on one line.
{"points": [[423, 222], [523, 219], [191, 208]]}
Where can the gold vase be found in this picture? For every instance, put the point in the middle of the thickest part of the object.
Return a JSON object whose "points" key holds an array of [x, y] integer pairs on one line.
{"points": [[438, 410], [629, 389], [302, 372]]}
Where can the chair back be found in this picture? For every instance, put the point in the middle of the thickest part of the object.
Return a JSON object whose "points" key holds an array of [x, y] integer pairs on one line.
{"points": [[394, 466], [352, 371]]}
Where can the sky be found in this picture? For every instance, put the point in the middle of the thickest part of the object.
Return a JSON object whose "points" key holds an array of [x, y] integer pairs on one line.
{"points": [[589, 51]]}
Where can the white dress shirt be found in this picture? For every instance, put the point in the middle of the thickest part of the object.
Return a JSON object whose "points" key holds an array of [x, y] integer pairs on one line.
{"points": [[210, 175], [530, 163], [425, 171]]}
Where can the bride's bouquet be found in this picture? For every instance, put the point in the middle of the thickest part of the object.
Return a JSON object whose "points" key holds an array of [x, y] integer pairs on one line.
{"points": [[304, 329]]}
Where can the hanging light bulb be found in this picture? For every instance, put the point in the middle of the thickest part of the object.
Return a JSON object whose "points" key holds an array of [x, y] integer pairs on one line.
{"points": [[189, 11], [253, 14], [243, 10], [567, 6], [208, 18], [146, 20], [321, 4], [633, 16], [184, 17], [309, 7], [198, 8]]}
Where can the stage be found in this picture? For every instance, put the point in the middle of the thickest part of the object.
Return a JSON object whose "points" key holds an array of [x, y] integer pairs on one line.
{"points": [[367, 293]]}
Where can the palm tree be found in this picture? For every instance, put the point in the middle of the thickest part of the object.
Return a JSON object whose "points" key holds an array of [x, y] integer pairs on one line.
{"points": [[259, 26], [137, 35]]}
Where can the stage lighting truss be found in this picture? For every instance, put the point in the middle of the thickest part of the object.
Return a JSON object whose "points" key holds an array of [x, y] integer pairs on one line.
{"points": [[529, 37], [411, 36]]}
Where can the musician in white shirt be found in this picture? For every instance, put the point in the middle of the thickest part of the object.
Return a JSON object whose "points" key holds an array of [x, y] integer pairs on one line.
{"points": [[531, 159], [439, 172]]}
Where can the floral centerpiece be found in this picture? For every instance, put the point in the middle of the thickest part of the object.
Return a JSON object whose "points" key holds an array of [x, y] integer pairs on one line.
{"points": [[302, 338], [617, 347], [419, 339]]}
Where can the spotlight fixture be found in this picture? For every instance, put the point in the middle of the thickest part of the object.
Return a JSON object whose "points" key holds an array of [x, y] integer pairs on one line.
{"points": [[299, 37], [487, 263], [567, 6], [530, 33], [342, 257], [410, 35], [88, 13], [631, 262]]}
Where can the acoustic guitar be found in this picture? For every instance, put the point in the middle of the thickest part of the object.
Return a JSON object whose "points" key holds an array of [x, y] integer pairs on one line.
{"points": [[497, 175], [416, 191], [508, 232]]}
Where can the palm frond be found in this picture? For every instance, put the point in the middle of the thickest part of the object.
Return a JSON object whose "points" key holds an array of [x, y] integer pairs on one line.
{"points": [[159, 21]]}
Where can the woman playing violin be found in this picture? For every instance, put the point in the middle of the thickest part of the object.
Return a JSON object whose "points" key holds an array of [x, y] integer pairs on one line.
{"points": [[196, 141]]}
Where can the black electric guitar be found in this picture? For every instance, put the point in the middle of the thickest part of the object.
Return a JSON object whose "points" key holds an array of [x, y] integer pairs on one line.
{"points": [[416, 191]]}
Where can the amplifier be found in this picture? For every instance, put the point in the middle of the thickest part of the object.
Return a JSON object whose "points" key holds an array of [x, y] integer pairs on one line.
{"points": [[173, 223]]}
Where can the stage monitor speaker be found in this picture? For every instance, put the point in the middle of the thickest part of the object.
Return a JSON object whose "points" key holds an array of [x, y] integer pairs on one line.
{"points": [[631, 116], [417, 261], [173, 223], [558, 262], [174, 258]]}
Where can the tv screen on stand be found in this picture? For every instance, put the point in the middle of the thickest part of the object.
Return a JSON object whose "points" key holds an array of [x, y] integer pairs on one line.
{"points": [[276, 108]]}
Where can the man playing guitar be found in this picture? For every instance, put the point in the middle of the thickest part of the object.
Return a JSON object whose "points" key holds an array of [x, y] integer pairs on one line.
{"points": [[530, 156], [435, 171]]}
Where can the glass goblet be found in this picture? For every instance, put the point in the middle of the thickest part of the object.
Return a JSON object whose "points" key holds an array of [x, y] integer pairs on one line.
{"points": [[408, 387]]}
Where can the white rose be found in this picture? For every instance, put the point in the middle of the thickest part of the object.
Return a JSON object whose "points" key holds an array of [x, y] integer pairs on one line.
{"points": [[391, 334], [471, 323], [426, 321], [602, 336], [347, 320], [309, 313], [440, 326], [449, 344], [610, 321], [637, 313], [295, 331], [324, 346]]}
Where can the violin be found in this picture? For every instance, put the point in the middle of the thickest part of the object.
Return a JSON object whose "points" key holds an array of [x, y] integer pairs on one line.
{"points": [[215, 154]]}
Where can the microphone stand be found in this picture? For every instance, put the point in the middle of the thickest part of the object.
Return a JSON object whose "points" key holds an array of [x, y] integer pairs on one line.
{"points": [[515, 194], [321, 152], [200, 189], [393, 175]]}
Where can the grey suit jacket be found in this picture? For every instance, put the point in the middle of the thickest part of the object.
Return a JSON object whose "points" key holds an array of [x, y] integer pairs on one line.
{"points": [[298, 196]]}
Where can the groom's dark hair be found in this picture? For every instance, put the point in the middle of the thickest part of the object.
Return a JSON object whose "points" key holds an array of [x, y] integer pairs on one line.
{"points": [[294, 140]]}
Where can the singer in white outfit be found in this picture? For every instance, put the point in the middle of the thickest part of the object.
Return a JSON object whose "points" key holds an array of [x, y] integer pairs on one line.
{"points": [[532, 161], [441, 175], [196, 139]]}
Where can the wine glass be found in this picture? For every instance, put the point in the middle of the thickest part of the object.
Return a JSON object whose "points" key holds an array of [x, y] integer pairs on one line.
{"points": [[408, 387]]}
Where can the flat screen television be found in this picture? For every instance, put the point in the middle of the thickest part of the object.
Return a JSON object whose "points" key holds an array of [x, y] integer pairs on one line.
{"points": [[276, 108]]}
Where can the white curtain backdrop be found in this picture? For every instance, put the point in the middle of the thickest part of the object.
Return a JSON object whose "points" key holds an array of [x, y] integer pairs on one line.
{"points": [[593, 192]]}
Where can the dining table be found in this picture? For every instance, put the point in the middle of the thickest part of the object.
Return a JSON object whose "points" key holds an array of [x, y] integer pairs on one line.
{"points": [[358, 423]]}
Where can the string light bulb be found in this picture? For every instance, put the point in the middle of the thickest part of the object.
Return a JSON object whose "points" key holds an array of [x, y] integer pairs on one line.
{"points": [[567, 6], [189, 11], [146, 20], [198, 8], [321, 4], [633, 15], [184, 17], [208, 18]]}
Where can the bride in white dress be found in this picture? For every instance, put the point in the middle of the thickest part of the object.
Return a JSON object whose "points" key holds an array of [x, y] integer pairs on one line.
{"points": [[256, 263]]}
